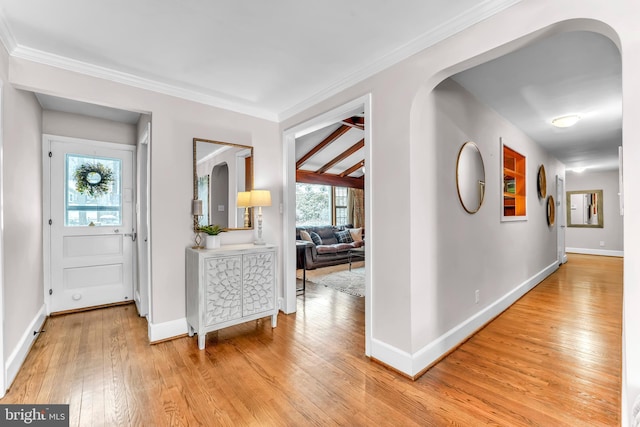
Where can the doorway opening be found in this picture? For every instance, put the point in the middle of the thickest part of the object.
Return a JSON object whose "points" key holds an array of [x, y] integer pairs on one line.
{"points": [[126, 132], [359, 106]]}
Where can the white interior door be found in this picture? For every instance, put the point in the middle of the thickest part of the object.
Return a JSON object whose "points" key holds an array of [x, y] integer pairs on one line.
{"points": [[561, 219], [92, 228]]}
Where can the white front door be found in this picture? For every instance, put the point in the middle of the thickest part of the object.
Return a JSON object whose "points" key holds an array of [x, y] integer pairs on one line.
{"points": [[92, 228]]}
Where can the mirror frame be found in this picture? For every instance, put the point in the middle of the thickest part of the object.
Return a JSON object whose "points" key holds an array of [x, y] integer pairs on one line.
{"points": [[481, 183], [599, 205], [195, 178]]}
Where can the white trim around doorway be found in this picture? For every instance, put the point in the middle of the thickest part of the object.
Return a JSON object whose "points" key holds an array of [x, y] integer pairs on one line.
{"points": [[289, 200]]}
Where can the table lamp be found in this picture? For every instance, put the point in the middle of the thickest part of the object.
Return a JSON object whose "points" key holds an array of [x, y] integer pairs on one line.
{"points": [[260, 198], [196, 211], [244, 198]]}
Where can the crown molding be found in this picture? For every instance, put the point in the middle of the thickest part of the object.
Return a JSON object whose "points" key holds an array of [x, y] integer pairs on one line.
{"points": [[6, 36], [88, 69], [479, 12]]}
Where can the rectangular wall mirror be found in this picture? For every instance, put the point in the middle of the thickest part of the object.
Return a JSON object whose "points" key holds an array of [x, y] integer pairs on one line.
{"points": [[221, 170], [584, 209]]}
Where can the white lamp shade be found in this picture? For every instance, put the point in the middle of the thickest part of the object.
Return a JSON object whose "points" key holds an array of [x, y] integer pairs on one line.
{"points": [[244, 199], [260, 198]]}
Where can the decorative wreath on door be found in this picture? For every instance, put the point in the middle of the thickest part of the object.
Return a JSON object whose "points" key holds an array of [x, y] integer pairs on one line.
{"points": [[93, 179]]}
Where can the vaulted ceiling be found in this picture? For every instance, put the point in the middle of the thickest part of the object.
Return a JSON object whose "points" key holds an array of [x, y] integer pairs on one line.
{"points": [[333, 155]]}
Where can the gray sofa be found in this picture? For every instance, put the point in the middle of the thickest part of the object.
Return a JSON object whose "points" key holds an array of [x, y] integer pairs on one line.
{"points": [[330, 252]]}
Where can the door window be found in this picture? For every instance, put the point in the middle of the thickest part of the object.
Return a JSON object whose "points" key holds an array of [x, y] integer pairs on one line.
{"points": [[92, 191]]}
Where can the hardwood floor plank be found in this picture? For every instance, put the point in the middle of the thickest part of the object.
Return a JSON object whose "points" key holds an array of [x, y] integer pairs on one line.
{"points": [[552, 359]]}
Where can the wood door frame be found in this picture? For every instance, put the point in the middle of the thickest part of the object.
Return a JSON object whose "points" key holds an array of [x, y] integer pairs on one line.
{"points": [[289, 203], [46, 205]]}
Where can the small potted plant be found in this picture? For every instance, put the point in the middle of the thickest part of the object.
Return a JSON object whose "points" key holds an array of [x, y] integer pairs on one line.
{"points": [[213, 235]]}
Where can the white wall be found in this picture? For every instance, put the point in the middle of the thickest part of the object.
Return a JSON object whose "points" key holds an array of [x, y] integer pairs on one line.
{"points": [[175, 123], [404, 172], [587, 240], [478, 252], [77, 126], [22, 187]]}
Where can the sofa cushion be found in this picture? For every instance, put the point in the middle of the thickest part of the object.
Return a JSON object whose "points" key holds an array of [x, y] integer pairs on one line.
{"points": [[335, 248], [305, 236], [326, 234], [326, 249], [344, 236], [315, 238], [356, 234]]}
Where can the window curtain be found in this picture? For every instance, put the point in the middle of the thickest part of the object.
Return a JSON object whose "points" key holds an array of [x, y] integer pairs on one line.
{"points": [[355, 207]]}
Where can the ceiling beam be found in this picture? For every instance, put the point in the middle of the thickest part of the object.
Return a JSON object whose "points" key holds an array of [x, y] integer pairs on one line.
{"points": [[352, 169], [355, 147], [328, 140], [309, 177], [355, 122]]}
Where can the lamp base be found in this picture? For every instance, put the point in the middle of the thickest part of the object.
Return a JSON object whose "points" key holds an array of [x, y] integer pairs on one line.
{"points": [[259, 243], [197, 239]]}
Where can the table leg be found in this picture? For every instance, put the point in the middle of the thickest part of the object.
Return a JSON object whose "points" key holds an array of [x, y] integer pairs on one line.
{"points": [[304, 271]]}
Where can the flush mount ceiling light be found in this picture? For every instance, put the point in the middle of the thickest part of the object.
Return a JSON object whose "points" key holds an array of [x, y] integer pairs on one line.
{"points": [[565, 121]]}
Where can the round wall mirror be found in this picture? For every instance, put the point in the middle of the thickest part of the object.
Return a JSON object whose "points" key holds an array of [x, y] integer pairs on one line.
{"points": [[470, 177], [542, 182], [551, 211]]}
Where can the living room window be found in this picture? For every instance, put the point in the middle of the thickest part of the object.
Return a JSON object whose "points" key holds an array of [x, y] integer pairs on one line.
{"points": [[340, 205], [321, 204]]}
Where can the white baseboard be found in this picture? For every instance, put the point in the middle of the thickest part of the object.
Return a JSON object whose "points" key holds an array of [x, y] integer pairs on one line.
{"points": [[602, 252], [413, 364], [19, 354], [167, 330], [392, 356]]}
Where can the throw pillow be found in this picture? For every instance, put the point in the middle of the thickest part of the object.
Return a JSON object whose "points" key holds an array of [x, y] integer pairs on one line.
{"points": [[305, 236], [315, 238], [356, 234], [344, 236]]}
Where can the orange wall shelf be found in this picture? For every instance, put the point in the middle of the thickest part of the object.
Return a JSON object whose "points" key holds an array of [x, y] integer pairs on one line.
{"points": [[514, 198]]}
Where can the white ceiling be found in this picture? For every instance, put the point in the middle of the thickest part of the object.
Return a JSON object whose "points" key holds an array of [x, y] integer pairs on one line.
{"points": [[265, 58], [273, 59], [48, 102], [568, 73]]}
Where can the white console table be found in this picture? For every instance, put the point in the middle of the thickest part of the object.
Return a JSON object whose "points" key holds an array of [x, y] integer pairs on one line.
{"points": [[230, 285]]}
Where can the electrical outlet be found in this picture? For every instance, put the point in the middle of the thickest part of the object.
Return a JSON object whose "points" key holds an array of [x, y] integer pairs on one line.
{"points": [[602, 243], [477, 296]]}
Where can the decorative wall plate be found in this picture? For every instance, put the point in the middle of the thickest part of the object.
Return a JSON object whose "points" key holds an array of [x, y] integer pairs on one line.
{"points": [[542, 182], [551, 211]]}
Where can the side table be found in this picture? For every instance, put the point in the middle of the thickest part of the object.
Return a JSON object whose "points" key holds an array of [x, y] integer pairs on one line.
{"points": [[301, 252], [357, 253]]}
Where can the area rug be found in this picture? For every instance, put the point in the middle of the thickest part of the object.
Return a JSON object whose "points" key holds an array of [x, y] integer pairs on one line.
{"points": [[349, 282]]}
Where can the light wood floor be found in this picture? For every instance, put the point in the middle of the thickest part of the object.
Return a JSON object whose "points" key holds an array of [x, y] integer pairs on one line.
{"points": [[553, 359]]}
